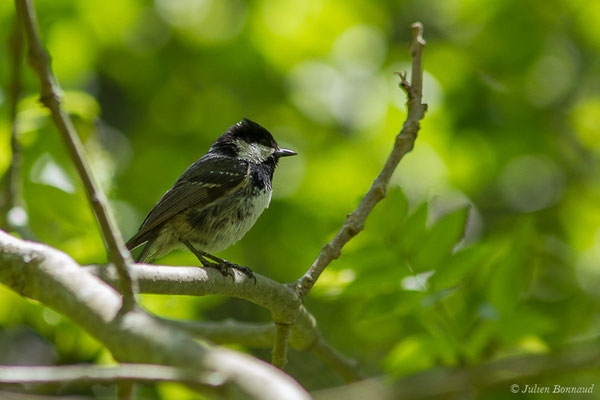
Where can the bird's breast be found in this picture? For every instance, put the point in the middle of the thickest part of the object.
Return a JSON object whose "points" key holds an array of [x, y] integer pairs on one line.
{"points": [[219, 225]]}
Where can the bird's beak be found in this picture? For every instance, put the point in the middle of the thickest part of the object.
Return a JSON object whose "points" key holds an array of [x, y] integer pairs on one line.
{"points": [[285, 153]]}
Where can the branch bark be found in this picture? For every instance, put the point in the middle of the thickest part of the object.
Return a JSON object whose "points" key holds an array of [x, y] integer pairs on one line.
{"points": [[53, 278], [280, 345], [279, 299], [39, 60], [254, 335]]}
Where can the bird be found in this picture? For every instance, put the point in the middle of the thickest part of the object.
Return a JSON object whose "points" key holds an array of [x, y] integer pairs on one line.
{"points": [[216, 201]]}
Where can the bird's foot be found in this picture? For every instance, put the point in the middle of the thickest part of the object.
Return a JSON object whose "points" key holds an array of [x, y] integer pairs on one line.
{"points": [[244, 270], [226, 268]]}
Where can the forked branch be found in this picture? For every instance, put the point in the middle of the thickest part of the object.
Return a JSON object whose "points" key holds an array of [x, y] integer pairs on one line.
{"points": [[404, 143], [355, 221]]}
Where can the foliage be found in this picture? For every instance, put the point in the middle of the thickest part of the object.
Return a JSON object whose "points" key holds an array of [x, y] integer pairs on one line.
{"points": [[487, 246]]}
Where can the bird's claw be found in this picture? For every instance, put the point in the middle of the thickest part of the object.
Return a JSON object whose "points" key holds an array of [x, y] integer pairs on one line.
{"points": [[245, 270], [222, 268], [226, 269]]}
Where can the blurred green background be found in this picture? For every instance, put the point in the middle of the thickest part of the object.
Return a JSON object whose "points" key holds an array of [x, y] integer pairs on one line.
{"points": [[510, 146]]}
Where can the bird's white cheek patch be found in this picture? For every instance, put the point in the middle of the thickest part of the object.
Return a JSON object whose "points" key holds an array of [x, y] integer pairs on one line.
{"points": [[253, 151]]}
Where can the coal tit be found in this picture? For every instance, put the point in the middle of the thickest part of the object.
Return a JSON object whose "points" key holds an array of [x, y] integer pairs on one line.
{"points": [[216, 200]]}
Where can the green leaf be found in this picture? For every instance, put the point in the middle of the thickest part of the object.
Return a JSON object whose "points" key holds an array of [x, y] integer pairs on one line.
{"points": [[440, 240], [512, 269], [376, 272], [413, 229], [397, 303], [389, 216], [459, 266], [412, 354]]}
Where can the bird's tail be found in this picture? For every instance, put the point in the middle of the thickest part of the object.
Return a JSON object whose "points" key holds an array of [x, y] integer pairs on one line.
{"points": [[138, 240], [145, 254]]}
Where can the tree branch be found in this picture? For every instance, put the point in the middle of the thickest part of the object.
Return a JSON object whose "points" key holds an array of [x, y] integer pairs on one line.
{"points": [[279, 299], [280, 344], [56, 280], [90, 374], [12, 197], [249, 334], [404, 143], [39, 60]]}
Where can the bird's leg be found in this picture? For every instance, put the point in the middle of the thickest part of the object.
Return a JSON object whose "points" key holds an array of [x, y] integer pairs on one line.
{"points": [[223, 266]]}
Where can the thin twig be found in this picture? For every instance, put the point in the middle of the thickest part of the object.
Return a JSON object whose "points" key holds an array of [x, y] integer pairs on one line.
{"points": [[13, 191], [280, 345], [15, 184], [39, 60], [404, 143]]}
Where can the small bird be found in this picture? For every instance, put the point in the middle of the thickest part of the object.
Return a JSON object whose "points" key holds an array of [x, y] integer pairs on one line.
{"points": [[216, 200]]}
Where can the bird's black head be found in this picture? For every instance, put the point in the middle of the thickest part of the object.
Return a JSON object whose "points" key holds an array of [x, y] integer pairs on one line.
{"points": [[251, 132], [249, 141]]}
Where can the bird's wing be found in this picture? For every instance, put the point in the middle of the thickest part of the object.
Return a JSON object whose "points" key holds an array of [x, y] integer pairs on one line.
{"points": [[202, 183]]}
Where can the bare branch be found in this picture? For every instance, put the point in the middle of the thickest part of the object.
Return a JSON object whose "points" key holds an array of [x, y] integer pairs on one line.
{"points": [[250, 334], [39, 60], [279, 299], [280, 345], [15, 186], [90, 374], [53, 278], [404, 143], [12, 197]]}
